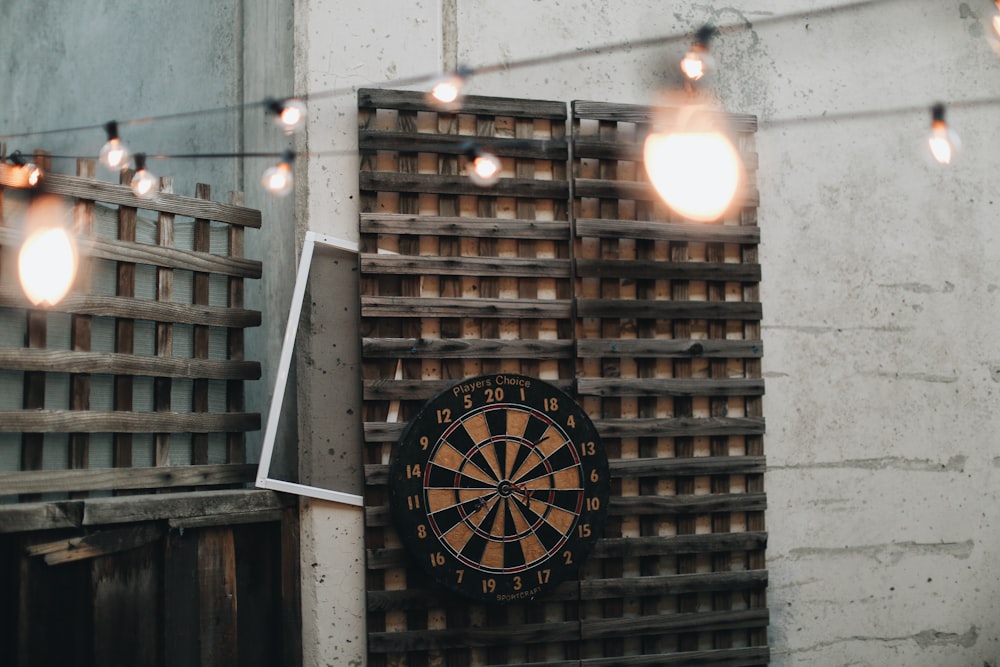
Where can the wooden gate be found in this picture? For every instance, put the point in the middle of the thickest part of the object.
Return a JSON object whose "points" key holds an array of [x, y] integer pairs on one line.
{"points": [[569, 270]]}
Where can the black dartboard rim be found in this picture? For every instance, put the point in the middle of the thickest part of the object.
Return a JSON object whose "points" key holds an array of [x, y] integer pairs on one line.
{"points": [[505, 498]]}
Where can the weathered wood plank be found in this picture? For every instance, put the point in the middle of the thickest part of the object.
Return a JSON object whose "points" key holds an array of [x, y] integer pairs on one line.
{"points": [[25, 517], [464, 266], [657, 270], [687, 504], [96, 479], [670, 387], [111, 363], [113, 306], [56, 421], [217, 597], [404, 100], [465, 348], [641, 191], [588, 147], [100, 543], [667, 231], [143, 253], [401, 223], [126, 621], [672, 584], [674, 427], [460, 185], [619, 547], [642, 427], [632, 113], [457, 144], [85, 188], [386, 642], [155, 507], [404, 306], [669, 348], [655, 309]]}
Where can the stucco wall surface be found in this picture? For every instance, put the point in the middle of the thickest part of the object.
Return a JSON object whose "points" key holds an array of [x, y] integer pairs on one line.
{"points": [[880, 289]]}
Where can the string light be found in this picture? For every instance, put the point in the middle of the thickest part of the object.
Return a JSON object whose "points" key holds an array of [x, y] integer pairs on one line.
{"points": [[943, 141], [114, 154], [483, 167], [996, 19], [278, 179], [30, 171], [47, 261], [446, 93], [289, 114], [144, 182], [697, 60], [690, 159]]}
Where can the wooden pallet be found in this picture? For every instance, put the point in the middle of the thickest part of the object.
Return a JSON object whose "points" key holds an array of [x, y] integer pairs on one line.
{"points": [[652, 324]]}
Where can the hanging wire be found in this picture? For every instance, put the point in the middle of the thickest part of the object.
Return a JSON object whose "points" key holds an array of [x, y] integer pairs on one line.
{"points": [[550, 59]]}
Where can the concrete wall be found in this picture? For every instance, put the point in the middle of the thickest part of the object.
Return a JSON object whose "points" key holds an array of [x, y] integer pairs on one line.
{"points": [[879, 290]]}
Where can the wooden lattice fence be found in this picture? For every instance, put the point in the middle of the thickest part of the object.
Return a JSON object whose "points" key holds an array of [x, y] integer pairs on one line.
{"points": [[568, 270]]}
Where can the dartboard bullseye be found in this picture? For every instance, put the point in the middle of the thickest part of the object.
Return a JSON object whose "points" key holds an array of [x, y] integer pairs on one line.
{"points": [[499, 487]]}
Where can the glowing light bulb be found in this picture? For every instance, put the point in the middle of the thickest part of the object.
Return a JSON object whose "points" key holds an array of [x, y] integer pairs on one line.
{"points": [[692, 163], [47, 260], [943, 141], [30, 172], [278, 179], [114, 154], [289, 114], [697, 61], [446, 93], [484, 169], [693, 65], [144, 182]]}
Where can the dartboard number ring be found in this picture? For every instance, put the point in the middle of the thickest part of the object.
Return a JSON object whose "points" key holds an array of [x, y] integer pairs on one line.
{"points": [[499, 487]]}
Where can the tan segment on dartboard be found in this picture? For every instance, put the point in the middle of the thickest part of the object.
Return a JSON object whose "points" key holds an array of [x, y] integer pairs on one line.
{"points": [[458, 536], [490, 454], [440, 499], [532, 549], [477, 428], [566, 480], [526, 466], [551, 441], [517, 421], [511, 455], [560, 519]]}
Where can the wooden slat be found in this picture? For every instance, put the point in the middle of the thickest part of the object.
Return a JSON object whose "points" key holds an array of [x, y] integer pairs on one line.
{"points": [[669, 347], [103, 479], [404, 100], [100, 543], [399, 223], [143, 253], [461, 185], [456, 144], [631, 113], [217, 597], [85, 188], [669, 387], [688, 504], [388, 642], [587, 147], [111, 363], [667, 231], [656, 270], [667, 309], [642, 191], [404, 306], [463, 266], [465, 348], [113, 306], [56, 421], [26, 517]]}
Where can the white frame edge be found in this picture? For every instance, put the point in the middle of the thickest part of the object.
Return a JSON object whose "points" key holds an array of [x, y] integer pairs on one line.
{"points": [[281, 380]]}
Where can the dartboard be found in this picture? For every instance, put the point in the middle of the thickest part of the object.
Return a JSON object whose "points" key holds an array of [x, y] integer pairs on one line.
{"points": [[499, 487]]}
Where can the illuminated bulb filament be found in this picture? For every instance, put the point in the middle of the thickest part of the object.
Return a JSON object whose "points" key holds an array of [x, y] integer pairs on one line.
{"points": [[485, 169], [47, 266], [696, 173], [693, 65], [290, 115], [278, 179], [114, 154], [143, 182], [446, 94], [940, 144]]}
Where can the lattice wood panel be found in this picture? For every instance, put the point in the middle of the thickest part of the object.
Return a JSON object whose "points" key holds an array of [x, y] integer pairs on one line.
{"points": [[135, 380], [669, 363], [651, 323]]}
